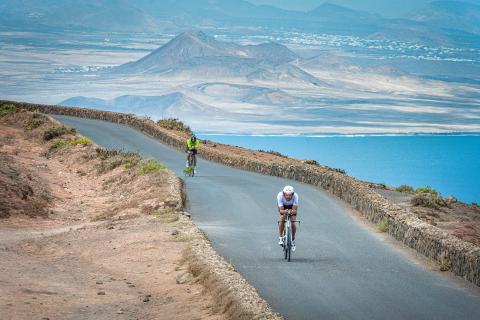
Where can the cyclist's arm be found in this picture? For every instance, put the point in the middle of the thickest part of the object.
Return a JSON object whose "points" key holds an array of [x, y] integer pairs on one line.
{"points": [[294, 210], [295, 204]]}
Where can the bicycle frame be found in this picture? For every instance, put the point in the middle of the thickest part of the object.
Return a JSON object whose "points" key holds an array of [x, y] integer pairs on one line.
{"points": [[287, 236], [192, 161]]}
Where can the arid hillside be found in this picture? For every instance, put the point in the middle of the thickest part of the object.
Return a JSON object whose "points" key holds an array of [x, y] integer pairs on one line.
{"points": [[90, 233]]}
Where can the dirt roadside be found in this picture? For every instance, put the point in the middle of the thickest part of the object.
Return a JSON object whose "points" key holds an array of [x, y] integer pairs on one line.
{"points": [[87, 233]]}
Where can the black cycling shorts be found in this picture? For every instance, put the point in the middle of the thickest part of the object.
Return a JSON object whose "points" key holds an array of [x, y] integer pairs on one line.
{"points": [[194, 151]]}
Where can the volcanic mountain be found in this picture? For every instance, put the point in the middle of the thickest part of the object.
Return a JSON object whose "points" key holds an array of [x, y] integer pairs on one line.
{"points": [[195, 54]]}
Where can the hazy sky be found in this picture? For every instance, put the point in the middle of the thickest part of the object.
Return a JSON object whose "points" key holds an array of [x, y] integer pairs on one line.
{"points": [[387, 8]]}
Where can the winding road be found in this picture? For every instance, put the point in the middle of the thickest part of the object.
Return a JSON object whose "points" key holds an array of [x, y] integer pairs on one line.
{"points": [[340, 269]]}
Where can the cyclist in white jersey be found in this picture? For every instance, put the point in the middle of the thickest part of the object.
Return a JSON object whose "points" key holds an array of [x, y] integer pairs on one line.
{"points": [[287, 199]]}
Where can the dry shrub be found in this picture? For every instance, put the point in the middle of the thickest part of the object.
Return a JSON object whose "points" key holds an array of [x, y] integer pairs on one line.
{"points": [[312, 162], [111, 159], [428, 200], [57, 131], [174, 124]]}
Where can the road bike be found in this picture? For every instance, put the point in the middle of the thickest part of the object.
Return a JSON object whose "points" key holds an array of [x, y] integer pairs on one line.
{"points": [[191, 165], [287, 236]]}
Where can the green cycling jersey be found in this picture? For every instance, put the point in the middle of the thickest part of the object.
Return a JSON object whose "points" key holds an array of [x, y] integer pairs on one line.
{"points": [[190, 144]]}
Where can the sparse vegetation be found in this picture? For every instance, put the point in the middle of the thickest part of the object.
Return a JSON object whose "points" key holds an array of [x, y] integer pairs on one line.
{"points": [[338, 170], [275, 153], [183, 237], [112, 159], [132, 163], [312, 162], [36, 120], [428, 197], [62, 143], [405, 189], [174, 124], [103, 216], [382, 225], [80, 141], [167, 215], [7, 108], [57, 144], [427, 189], [445, 265], [57, 131], [428, 200], [150, 166]]}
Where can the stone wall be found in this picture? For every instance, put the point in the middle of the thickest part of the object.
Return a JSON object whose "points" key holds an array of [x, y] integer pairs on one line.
{"points": [[463, 257]]}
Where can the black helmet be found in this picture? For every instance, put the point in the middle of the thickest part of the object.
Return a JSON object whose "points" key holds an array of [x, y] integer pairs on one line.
{"points": [[193, 137]]}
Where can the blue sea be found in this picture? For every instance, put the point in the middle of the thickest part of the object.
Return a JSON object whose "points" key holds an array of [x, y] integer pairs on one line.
{"points": [[448, 163]]}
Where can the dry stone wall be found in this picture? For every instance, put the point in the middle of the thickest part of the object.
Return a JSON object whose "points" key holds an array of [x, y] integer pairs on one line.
{"points": [[462, 257]]}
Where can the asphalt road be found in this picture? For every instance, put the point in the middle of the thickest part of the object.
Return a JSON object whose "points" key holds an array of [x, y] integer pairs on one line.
{"points": [[340, 269]]}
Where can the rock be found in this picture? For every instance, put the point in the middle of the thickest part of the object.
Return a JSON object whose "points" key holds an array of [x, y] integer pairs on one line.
{"points": [[120, 311], [101, 293], [146, 299], [99, 282], [184, 278], [175, 232]]}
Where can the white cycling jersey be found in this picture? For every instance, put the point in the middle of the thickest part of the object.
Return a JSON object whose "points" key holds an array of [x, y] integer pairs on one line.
{"points": [[282, 202]]}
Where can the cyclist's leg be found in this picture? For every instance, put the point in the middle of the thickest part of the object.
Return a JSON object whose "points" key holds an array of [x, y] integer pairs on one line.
{"points": [[194, 156], [281, 225]]}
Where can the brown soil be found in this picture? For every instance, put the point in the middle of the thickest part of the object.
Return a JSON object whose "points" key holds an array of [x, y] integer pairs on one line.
{"points": [[76, 244], [457, 218]]}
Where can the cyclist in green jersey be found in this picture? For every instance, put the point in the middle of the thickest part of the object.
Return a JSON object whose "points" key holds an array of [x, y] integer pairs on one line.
{"points": [[191, 144]]}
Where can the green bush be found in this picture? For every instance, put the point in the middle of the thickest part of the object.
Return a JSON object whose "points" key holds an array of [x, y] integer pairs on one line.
{"points": [[55, 132], [174, 124], [7, 108], [80, 141], [405, 189], [57, 145], [149, 166], [382, 225], [427, 189], [132, 163]]}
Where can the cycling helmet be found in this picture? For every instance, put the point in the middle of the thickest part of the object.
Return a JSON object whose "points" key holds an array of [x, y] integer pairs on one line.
{"points": [[193, 137], [288, 190]]}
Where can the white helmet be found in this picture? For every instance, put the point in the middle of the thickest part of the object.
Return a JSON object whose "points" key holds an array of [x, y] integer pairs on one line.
{"points": [[288, 190]]}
